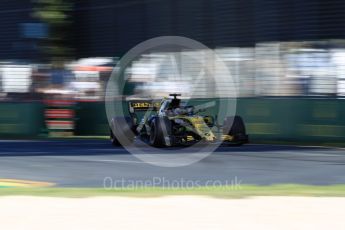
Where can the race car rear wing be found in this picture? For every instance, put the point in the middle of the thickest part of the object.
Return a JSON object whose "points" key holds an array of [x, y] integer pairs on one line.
{"points": [[142, 105]]}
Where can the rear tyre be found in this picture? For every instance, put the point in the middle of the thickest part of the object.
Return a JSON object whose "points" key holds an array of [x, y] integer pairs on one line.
{"points": [[113, 139], [121, 131]]}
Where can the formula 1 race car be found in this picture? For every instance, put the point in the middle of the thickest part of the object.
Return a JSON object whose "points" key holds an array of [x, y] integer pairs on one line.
{"points": [[170, 123]]}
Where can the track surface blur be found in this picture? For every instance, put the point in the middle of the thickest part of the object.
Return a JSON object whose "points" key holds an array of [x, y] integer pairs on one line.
{"points": [[86, 163]]}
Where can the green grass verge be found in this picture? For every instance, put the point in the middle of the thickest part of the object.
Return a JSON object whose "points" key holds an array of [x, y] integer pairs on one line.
{"points": [[218, 192]]}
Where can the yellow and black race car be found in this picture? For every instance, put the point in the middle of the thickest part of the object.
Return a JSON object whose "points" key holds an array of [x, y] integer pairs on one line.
{"points": [[169, 123]]}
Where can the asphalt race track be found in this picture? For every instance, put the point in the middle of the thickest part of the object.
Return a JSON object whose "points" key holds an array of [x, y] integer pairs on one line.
{"points": [[91, 163]]}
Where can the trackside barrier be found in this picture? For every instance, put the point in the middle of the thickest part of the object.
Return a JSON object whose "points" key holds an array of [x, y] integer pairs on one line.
{"points": [[294, 119], [91, 119], [267, 119], [21, 119]]}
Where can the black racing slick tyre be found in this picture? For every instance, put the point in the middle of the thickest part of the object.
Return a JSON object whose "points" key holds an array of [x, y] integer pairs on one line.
{"points": [[160, 131], [121, 131], [234, 126]]}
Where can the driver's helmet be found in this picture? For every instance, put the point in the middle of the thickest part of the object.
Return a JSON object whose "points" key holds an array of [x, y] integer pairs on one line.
{"points": [[176, 107]]}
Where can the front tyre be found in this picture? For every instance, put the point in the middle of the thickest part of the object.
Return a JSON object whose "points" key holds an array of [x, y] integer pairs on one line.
{"points": [[160, 131]]}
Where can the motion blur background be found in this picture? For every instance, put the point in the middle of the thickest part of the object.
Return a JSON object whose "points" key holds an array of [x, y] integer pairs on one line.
{"points": [[287, 58]]}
